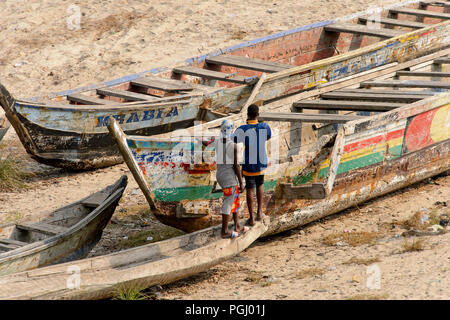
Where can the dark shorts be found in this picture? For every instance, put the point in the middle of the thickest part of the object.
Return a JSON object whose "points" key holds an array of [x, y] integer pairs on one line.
{"points": [[253, 181]]}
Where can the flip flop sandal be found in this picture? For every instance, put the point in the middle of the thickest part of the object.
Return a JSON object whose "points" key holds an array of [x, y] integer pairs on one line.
{"points": [[234, 235]]}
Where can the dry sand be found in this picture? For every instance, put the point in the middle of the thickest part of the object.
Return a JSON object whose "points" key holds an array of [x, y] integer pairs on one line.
{"points": [[40, 55]]}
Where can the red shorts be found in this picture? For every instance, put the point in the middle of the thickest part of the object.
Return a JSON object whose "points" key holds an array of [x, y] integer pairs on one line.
{"points": [[232, 200]]}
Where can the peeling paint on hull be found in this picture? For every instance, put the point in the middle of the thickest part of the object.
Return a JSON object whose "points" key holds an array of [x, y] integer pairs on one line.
{"points": [[381, 153], [84, 141]]}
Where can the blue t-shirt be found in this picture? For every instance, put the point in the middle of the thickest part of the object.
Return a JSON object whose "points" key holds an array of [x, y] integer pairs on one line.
{"points": [[254, 135]]}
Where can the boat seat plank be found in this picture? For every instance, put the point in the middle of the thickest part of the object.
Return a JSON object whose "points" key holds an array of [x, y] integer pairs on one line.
{"points": [[304, 117], [163, 84], [214, 75], [247, 63], [388, 91], [7, 247], [407, 84], [436, 4], [395, 22], [84, 99], [127, 95], [423, 74], [362, 30], [442, 61], [390, 97], [421, 13], [95, 200], [346, 105], [42, 227], [13, 242]]}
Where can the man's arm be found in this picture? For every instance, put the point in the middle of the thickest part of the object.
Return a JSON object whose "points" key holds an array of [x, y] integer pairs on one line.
{"points": [[237, 168]]}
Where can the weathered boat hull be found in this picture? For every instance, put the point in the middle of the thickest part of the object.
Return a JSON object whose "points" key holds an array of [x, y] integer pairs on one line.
{"points": [[137, 268], [380, 154], [4, 126], [75, 137], [73, 244]]}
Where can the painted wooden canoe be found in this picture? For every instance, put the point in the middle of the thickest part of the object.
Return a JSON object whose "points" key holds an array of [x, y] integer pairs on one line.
{"points": [[66, 234], [68, 129], [374, 140], [137, 268], [4, 126]]}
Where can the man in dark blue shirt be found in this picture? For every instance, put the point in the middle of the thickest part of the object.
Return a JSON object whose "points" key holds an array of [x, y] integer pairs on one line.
{"points": [[254, 135]]}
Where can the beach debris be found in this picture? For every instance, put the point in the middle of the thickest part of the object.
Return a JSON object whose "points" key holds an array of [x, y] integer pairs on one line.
{"points": [[424, 219], [19, 64], [149, 238], [125, 238], [444, 222], [436, 228]]}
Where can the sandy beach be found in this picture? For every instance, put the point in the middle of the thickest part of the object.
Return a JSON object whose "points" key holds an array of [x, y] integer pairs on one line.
{"points": [[41, 54]]}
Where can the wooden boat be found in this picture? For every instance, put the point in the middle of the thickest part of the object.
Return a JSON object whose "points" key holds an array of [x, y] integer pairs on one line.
{"points": [[137, 268], [67, 234], [68, 129], [332, 147], [4, 126]]}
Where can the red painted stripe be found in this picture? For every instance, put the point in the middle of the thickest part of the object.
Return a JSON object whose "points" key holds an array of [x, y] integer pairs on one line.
{"points": [[374, 140]]}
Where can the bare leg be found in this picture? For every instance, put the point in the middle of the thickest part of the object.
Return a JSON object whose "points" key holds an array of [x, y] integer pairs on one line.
{"points": [[225, 220], [259, 198], [237, 225], [251, 205]]}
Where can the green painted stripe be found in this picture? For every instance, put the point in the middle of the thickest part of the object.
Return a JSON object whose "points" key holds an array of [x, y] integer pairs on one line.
{"points": [[204, 192], [197, 193]]}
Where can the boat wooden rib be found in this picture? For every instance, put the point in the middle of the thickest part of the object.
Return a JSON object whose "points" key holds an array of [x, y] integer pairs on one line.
{"points": [[326, 155], [68, 129], [137, 268], [4, 126], [66, 234]]}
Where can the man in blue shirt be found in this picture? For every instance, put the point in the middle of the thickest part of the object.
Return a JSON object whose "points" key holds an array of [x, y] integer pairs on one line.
{"points": [[254, 135]]}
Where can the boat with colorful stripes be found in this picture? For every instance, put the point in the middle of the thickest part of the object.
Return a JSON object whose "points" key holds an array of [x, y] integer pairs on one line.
{"points": [[332, 148], [68, 129]]}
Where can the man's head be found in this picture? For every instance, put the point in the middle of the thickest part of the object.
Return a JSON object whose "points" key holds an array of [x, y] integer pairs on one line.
{"points": [[226, 128], [253, 112]]}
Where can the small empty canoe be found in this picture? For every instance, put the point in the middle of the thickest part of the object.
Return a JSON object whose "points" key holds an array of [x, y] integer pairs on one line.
{"points": [[136, 268], [66, 234]]}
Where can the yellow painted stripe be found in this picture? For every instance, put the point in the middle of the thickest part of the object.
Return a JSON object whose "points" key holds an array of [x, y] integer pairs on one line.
{"points": [[365, 151]]}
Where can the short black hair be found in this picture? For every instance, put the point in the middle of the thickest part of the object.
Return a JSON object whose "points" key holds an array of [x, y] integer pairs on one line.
{"points": [[253, 111]]}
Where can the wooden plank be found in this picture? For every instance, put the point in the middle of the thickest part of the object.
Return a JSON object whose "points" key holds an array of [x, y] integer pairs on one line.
{"points": [[163, 84], [362, 30], [423, 74], [421, 13], [121, 141], [386, 92], [253, 94], [396, 22], [307, 117], [13, 242], [442, 61], [247, 63], [361, 97], [95, 200], [84, 99], [436, 4], [7, 247], [335, 159], [127, 95], [306, 191], [407, 84], [347, 105], [215, 75], [42, 227]]}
